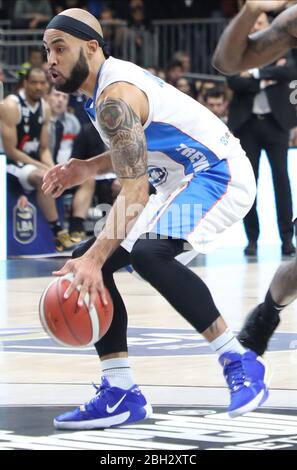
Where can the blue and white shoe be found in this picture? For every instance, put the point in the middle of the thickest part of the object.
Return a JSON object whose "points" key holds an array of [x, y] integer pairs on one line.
{"points": [[247, 379], [111, 406]]}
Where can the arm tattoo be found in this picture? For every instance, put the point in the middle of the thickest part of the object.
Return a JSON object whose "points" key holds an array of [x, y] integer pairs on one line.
{"points": [[123, 129], [282, 32], [214, 328], [266, 39]]}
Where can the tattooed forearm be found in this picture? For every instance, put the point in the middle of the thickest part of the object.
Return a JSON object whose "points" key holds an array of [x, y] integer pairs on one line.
{"points": [[265, 39], [123, 129], [280, 35]]}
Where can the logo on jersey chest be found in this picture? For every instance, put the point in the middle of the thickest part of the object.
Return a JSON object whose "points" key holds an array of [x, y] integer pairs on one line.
{"points": [[157, 175], [26, 118], [31, 146], [26, 113]]}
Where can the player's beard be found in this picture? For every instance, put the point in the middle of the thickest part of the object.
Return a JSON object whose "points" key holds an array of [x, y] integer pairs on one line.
{"points": [[77, 77]]}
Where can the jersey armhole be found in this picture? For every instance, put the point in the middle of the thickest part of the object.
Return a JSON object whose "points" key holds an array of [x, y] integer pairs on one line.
{"points": [[138, 85]]}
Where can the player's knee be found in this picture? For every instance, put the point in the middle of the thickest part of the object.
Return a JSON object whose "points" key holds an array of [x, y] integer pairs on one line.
{"points": [[35, 179], [142, 257]]}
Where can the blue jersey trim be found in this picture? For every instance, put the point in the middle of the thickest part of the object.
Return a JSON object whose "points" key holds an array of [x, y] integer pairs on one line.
{"points": [[89, 104], [192, 204], [180, 147]]}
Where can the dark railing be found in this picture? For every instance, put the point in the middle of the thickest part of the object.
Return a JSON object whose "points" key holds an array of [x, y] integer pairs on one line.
{"points": [[153, 47]]}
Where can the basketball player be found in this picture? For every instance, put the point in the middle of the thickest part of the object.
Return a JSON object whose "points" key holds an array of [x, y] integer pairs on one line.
{"points": [[24, 127], [204, 184], [236, 52]]}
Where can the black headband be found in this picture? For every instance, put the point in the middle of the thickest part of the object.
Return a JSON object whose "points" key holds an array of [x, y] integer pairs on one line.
{"points": [[76, 28]]}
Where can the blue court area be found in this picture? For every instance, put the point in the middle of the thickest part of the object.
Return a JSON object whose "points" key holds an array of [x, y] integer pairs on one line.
{"points": [[142, 342]]}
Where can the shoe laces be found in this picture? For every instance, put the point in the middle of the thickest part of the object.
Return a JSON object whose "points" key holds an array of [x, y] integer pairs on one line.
{"points": [[100, 391], [235, 376]]}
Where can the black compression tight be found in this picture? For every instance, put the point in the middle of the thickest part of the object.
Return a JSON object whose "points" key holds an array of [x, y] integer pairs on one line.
{"points": [[154, 260], [115, 340]]}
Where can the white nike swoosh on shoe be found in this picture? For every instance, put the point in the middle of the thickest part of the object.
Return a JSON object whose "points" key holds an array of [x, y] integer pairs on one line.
{"points": [[111, 409]]}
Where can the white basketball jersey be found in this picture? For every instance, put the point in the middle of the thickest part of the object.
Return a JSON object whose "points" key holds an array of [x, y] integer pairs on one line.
{"points": [[183, 137]]}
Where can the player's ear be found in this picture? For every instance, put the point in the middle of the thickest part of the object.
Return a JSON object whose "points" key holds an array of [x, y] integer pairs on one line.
{"points": [[92, 47]]}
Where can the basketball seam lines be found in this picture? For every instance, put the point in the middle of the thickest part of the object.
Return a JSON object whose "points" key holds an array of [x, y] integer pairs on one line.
{"points": [[64, 316]]}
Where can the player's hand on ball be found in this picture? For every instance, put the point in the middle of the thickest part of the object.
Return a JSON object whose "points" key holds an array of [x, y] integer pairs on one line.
{"points": [[87, 275]]}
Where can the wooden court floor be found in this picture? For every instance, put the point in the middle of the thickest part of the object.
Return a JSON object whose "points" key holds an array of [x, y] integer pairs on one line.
{"points": [[172, 364]]}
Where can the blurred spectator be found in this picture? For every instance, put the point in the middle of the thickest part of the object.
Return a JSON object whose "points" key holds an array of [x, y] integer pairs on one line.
{"points": [[32, 14], [76, 106], [139, 24], [174, 71], [16, 189], [197, 86], [65, 127], [108, 14], [215, 100], [45, 67], [229, 9], [62, 135], [60, 5], [153, 70], [24, 130], [184, 58], [161, 74], [205, 86], [36, 56], [261, 116], [184, 85], [95, 7], [35, 59], [88, 144], [112, 29]]}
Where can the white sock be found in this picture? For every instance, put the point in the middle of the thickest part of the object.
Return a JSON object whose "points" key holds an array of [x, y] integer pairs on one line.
{"points": [[118, 372], [227, 342]]}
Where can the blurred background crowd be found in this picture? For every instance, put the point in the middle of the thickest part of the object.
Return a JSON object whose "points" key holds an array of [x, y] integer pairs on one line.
{"points": [[173, 40]]}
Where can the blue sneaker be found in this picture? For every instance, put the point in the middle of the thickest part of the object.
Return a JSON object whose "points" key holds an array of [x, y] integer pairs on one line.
{"points": [[247, 379], [111, 406]]}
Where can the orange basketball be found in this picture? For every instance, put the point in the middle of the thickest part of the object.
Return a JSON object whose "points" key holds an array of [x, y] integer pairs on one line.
{"points": [[69, 324]]}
